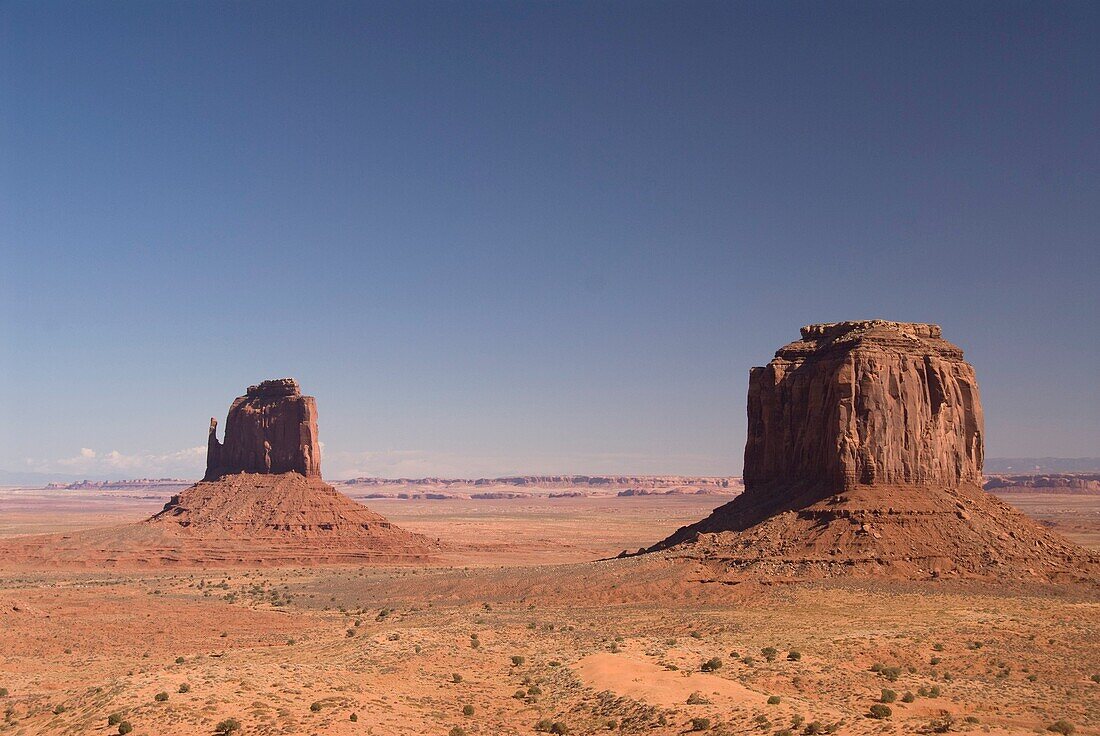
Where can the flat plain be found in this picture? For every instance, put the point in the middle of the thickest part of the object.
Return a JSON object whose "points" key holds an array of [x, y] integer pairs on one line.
{"points": [[525, 625]]}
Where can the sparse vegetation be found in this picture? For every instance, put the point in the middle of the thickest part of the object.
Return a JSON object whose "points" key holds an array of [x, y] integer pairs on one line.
{"points": [[700, 724], [711, 665], [229, 725], [124, 728], [467, 710], [161, 696], [878, 710], [315, 707], [184, 688], [888, 696], [1063, 727], [774, 700]]}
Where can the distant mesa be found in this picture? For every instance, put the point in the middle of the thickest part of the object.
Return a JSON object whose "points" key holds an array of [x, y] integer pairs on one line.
{"points": [[864, 457]]}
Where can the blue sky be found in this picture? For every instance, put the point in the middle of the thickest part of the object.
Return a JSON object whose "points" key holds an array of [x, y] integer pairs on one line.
{"points": [[531, 237]]}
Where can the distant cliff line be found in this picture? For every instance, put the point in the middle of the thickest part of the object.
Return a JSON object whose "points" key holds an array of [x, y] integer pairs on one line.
{"points": [[560, 481]]}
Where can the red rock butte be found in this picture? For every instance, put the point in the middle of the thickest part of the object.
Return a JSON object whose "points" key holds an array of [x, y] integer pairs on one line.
{"points": [[864, 456], [271, 429], [262, 502]]}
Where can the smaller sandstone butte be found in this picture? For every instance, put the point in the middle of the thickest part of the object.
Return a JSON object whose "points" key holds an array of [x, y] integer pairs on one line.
{"points": [[271, 429], [864, 456], [262, 503]]}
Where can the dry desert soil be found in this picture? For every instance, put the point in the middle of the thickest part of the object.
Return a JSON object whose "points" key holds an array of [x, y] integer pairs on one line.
{"points": [[525, 625]]}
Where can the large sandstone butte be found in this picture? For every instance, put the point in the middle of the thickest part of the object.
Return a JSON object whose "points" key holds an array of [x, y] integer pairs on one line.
{"points": [[271, 429], [864, 456], [262, 502]]}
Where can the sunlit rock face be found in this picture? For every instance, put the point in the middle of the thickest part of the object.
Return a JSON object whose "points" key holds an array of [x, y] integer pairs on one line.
{"points": [[271, 429], [864, 403]]}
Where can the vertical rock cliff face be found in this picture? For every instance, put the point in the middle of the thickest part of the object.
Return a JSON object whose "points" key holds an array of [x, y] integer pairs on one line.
{"points": [[866, 403], [271, 429], [864, 457]]}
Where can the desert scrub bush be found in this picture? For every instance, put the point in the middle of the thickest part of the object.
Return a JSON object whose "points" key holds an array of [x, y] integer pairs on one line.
{"points": [[891, 673], [748, 661], [354, 717], [180, 660], [58, 709], [700, 724], [517, 660], [878, 710], [711, 665], [315, 707], [934, 661], [794, 655], [696, 698], [1096, 677], [971, 719], [942, 723], [457, 731], [1063, 727], [456, 677], [534, 690], [184, 688], [519, 694], [467, 710], [696, 635], [784, 732], [114, 719], [774, 700], [769, 653], [161, 696], [813, 728], [229, 725], [3, 692], [125, 728], [908, 697], [888, 696]]}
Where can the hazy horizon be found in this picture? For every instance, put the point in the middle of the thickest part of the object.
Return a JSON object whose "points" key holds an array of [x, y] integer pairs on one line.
{"points": [[496, 239]]}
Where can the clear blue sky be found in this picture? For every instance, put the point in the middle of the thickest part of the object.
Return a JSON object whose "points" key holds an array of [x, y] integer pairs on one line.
{"points": [[530, 237]]}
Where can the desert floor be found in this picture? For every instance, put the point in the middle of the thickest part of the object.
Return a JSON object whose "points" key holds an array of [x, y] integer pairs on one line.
{"points": [[520, 625]]}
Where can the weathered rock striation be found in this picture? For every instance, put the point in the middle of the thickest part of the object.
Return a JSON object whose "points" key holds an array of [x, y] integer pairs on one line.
{"points": [[271, 429], [864, 456], [864, 403]]}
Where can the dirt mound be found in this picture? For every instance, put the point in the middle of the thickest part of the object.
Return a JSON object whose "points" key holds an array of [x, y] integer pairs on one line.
{"points": [[876, 531], [245, 519], [864, 457]]}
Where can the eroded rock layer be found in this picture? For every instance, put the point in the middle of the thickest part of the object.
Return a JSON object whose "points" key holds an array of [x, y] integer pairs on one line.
{"points": [[864, 403], [271, 429], [864, 454]]}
